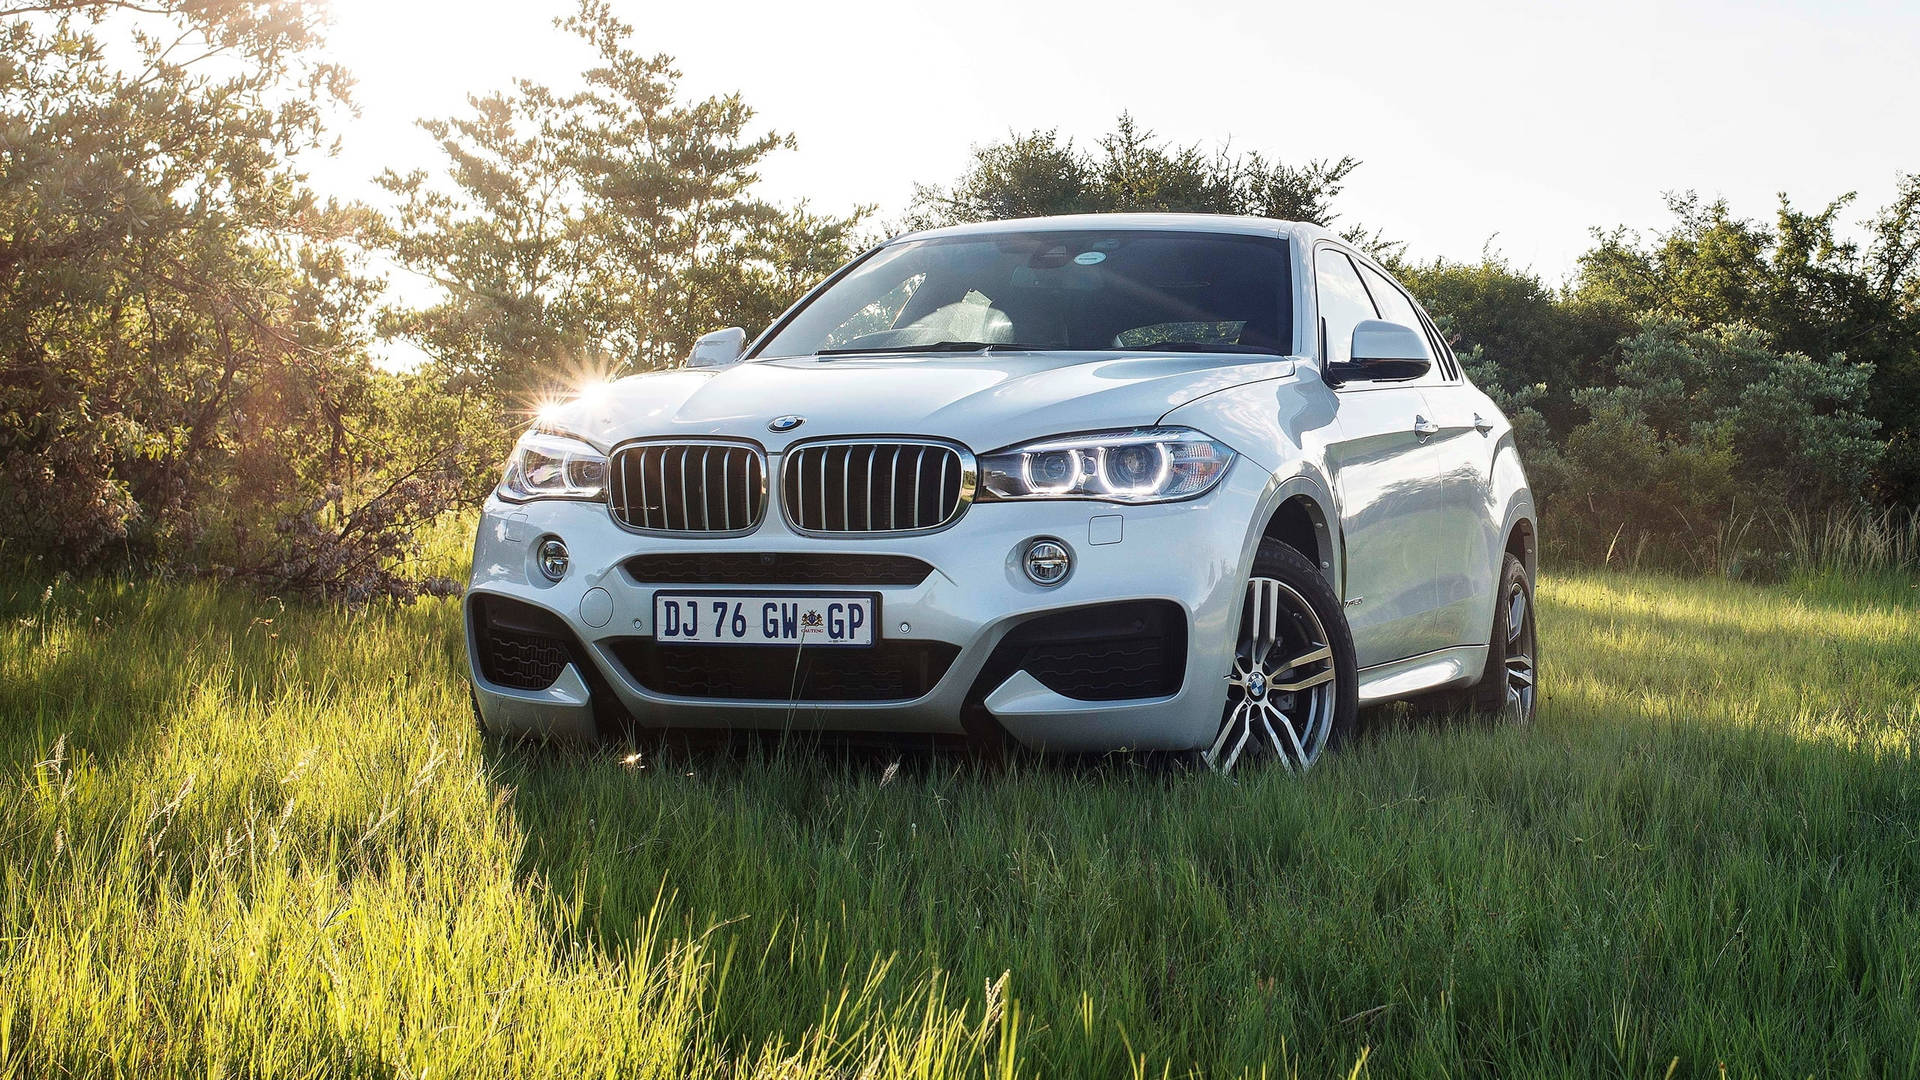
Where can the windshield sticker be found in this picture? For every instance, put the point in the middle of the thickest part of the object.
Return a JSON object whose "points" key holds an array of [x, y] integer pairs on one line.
{"points": [[1088, 258]]}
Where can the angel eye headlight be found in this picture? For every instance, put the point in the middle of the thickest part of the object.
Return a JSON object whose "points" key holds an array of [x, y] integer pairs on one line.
{"points": [[545, 465], [1143, 465]]}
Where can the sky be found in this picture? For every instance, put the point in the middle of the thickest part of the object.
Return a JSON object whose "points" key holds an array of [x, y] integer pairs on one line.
{"points": [[1511, 127]]}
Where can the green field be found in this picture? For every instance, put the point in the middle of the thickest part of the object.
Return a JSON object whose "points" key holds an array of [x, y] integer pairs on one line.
{"points": [[246, 838]]}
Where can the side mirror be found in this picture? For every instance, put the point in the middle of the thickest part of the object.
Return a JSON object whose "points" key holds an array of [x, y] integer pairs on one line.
{"points": [[718, 349], [1383, 352]]}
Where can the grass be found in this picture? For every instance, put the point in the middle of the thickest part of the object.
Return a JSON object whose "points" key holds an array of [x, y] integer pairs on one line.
{"points": [[242, 838]]}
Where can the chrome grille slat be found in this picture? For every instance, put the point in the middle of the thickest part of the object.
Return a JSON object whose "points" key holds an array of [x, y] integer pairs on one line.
{"points": [[893, 484], [686, 515], [943, 473], [919, 474], [663, 488], [859, 503], [643, 491], [706, 490]]}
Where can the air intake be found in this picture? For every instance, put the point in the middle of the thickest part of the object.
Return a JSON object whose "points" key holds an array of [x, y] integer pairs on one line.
{"points": [[695, 488], [875, 486]]}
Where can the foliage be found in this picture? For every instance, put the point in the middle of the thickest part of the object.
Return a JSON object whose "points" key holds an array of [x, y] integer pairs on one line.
{"points": [[1040, 172], [268, 842], [598, 231], [183, 378], [1808, 288], [1534, 339], [1681, 393]]}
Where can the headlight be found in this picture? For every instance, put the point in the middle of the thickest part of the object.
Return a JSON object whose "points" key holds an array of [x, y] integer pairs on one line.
{"points": [[1144, 465], [548, 466]]}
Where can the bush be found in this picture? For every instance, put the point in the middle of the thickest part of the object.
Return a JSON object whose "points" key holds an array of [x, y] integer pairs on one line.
{"points": [[184, 382]]}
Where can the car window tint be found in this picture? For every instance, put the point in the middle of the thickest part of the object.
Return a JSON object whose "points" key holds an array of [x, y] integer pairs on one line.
{"points": [[1440, 347], [1343, 302], [1227, 332], [881, 314], [1066, 290], [1394, 305]]}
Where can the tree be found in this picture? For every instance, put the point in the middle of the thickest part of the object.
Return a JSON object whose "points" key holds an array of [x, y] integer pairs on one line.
{"points": [[1797, 280], [1040, 173], [182, 330], [1523, 335], [600, 230]]}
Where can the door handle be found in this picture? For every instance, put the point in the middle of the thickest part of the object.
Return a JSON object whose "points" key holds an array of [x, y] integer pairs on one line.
{"points": [[1424, 427], [1481, 424]]}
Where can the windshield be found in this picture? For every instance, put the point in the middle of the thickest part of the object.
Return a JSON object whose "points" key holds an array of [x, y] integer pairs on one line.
{"points": [[1073, 291]]}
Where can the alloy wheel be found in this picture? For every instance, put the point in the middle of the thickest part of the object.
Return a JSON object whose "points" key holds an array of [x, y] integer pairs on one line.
{"points": [[1283, 688], [1520, 653]]}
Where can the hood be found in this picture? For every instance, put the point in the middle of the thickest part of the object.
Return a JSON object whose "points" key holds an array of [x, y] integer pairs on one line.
{"points": [[985, 402]]}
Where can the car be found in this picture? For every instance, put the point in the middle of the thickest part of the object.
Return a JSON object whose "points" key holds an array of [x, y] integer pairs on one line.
{"points": [[1169, 482]]}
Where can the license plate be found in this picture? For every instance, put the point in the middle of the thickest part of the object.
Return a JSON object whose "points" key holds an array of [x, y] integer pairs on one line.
{"points": [[764, 618]]}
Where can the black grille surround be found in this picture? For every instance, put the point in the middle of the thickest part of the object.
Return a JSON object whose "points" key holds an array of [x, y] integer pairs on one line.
{"points": [[689, 487], [521, 647], [1107, 652], [886, 671], [775, 568], [875, 486]]}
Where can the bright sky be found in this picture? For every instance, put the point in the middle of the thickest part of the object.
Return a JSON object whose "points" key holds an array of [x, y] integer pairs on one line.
{"points": [[1516, 124]]}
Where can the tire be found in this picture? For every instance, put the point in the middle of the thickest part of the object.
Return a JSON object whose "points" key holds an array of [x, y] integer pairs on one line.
{"points": [[1293, 688], [1509, 688]]}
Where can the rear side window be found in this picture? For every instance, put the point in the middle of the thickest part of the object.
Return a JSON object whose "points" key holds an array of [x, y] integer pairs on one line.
{"points": [[1344, 303], [1396, 308]]}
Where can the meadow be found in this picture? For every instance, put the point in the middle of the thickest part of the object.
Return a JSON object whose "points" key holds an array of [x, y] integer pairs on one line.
{"points": [[241, 837]]}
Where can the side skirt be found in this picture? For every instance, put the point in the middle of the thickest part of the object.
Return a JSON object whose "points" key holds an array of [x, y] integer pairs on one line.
{"points": [[1437, 670]]}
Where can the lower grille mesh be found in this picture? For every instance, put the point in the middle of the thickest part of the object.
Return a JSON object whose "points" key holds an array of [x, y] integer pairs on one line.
{"points": [[521, 647], [888, 671], [1109, 652], [523, 661]]}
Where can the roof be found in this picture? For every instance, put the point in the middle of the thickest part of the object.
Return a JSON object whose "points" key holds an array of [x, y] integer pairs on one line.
{"points": [[1213, 223]]}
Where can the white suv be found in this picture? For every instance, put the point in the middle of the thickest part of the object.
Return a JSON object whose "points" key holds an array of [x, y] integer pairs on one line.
{"points": [[1171, 482]]}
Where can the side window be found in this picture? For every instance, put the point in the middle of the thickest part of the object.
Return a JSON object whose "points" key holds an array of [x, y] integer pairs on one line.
{"points": [[1344, 303], [1448, 361], [1396, 308]]}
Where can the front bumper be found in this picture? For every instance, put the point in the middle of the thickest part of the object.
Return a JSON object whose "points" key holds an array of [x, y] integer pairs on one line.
{"points": [[1189, 557]]}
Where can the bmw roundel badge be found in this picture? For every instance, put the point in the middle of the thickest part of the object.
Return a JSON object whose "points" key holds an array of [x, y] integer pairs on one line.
{"points": [[786, 423]]}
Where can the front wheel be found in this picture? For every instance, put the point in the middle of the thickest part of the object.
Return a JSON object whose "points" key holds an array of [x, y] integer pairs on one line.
{"points": [[1292, 692]]}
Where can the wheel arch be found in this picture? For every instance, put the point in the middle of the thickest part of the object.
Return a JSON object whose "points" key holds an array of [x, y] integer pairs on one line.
{"points": [[1298, 513], [1523, 543]]}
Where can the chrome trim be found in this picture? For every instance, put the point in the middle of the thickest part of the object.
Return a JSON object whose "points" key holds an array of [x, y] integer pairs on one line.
{"points": [[794, 459], [757, 499]]}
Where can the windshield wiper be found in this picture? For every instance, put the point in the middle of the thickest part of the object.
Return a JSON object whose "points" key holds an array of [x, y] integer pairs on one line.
{"points": [[1199, 346], [937, 346]]}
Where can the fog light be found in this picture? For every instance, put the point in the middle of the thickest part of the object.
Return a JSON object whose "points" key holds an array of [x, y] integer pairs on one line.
{"points": [[1048, 562], [553, 558]]}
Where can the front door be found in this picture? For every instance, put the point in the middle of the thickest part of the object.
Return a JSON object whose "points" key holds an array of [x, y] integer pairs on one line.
{"points": [[1388, 477], [1394, 515]]}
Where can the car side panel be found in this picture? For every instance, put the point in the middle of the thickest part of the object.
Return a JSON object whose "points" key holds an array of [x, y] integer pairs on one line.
{"points": [[1395, 512], [1467, 526], [1283, 426]]}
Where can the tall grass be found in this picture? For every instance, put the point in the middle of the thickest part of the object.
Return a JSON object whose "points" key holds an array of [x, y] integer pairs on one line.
{"points": [[1854, 541], [241, 838], [1769, 545]]}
